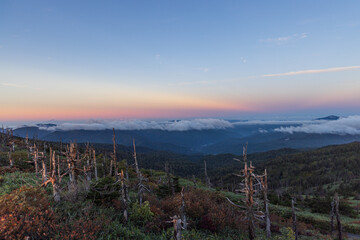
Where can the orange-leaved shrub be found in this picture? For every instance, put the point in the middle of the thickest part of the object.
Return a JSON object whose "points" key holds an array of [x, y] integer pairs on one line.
{"points": [[204, 209], [26, 213]]}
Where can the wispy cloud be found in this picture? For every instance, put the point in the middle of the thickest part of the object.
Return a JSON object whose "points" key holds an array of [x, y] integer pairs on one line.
{"points": [[193, 83], [158, 58], [18, 86], [204, 69], [312, 71], [285, 39]]}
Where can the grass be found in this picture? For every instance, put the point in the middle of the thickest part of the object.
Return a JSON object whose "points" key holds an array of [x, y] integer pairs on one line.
{"points": [[321, 221], [12, 181]]}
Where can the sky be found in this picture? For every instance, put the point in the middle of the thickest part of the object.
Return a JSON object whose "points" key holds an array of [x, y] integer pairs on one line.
{"points": [[178, 59]]}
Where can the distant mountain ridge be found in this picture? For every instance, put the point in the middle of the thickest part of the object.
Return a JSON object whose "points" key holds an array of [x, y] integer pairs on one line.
{"points": [[260, 135], [330, 118]]}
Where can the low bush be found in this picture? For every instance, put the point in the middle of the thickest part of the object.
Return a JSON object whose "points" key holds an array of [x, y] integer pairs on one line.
{"points": [[26, 213], [141, 215], [104, 191]]}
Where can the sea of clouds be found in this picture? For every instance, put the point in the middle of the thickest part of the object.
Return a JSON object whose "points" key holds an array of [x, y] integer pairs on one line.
{"points": [[343, 126], [178, 125]]}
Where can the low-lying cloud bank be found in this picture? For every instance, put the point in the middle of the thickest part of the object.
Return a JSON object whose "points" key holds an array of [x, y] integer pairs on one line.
{"points": [[343, 126], [180, 125]]}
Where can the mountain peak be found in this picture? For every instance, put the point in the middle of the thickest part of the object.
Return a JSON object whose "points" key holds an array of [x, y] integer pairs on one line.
{"points": [[329, 118]]}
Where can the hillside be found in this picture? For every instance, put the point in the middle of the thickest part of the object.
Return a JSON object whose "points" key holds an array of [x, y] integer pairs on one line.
{"points": [[91, 204], [335, 168]]}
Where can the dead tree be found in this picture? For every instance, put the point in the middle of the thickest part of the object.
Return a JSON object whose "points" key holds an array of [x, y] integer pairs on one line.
{"points": [[114, 156], [27, 145], [95, 164], [127, 180], [34, 152], [135, 161], [58, 165], [250, 186], [11, 160], [207, 179], [54, 177], [43, 165], [72, 158], [183, 210], [88, 168], [138, 174], [337, 213], [294, 227], [249, 190], [141, 186], [266, 205], [176, 221], [124, 192]]}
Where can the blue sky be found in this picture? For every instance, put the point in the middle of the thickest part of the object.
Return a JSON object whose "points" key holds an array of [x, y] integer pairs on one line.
{"points": [[164, 59]]}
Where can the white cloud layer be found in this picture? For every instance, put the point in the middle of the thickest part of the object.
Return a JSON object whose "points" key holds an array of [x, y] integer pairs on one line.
{"points": [[180, 125], [343, 126]]}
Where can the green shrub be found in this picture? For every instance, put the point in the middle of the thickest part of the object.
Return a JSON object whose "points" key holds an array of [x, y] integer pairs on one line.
{"points": [[104, 191], [141, 215]]}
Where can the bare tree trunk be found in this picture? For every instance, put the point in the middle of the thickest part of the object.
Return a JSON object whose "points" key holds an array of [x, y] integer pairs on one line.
{"points": [[127, 180], [54, 179], [11, 161], [73, 158], [139, 176], [250, 204], [58, 166], [183, 210], [88, 164], [337, 213], [136, 162], [294, 218], [103, 164], [177, 227], [56, 192], [95, 165], [114, 156], [71, 178], [124, 196], [44, 172], [266, 206], [36, 161]]}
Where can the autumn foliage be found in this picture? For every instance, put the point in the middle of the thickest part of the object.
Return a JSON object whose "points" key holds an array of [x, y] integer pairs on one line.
{"points": [[26, 213], [205, 210]]}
